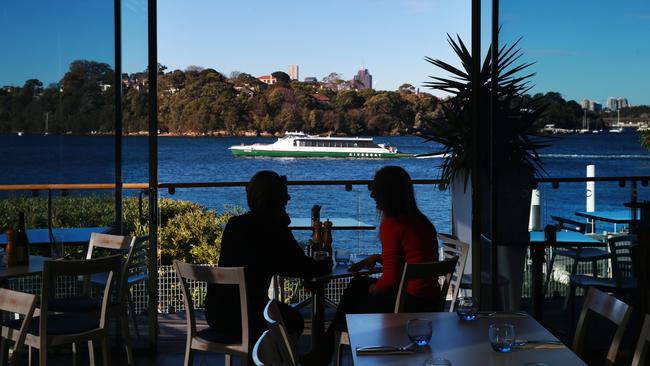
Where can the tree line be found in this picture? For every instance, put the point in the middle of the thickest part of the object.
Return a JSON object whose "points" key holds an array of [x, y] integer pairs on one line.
{"points": [[199, 101]]}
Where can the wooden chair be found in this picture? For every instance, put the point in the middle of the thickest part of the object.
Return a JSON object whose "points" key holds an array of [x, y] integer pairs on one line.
{"points": [[578, 254], [280, 334], [208, 339], [452, 247], [18, 303], [609, 307], [70, 328], [131, 273], [264, 351], [641, 352], [427, 271], [431, 271]]}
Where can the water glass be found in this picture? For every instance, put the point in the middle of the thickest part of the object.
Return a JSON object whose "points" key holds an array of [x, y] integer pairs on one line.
{"points": [[57, 249], [419, 331], [502, 337], [320, 255], [342, 256], [466, 308]]}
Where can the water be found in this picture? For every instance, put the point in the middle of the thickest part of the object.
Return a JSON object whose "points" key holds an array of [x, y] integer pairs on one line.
{"points": [[89, 159]]}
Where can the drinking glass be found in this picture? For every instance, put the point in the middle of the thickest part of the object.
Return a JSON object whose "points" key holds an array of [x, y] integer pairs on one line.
{"points": [[57, 249], [466, 308], [320, 255], [502, 337], [342, 256], [419, 331]]}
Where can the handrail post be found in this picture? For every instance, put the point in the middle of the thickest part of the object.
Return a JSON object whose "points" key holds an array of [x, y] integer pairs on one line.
{"points": [[49, 216]]}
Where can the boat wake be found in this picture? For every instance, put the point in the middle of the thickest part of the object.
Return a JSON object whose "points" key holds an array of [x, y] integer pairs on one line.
{"points": [[596, 156]]}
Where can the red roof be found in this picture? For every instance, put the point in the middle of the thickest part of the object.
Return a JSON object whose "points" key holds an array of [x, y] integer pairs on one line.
{"points": [[320, 97]]}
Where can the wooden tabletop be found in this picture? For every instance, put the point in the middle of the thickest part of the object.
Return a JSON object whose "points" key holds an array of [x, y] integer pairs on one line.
{"points": [[35, 266], [461, 342], [338, 223]]}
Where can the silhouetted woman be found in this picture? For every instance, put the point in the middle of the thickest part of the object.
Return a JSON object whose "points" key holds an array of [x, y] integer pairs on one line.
{"points": [[261, 242], [407, 236]]}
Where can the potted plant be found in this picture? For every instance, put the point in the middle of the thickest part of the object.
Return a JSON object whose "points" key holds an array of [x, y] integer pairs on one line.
{"points": [[514, 151]]}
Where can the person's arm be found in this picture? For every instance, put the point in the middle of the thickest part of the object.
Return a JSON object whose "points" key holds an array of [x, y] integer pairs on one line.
{"points": [[392, 257]]}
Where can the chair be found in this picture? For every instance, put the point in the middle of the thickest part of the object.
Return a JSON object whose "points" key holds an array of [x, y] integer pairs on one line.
{"points": [[280, 334], [641, 352], [452, 247], [579, 254], [54, 329], [609, 307], [264, 351], [622, 280], [131, 273], [19, 303], [430, 270], [208, 339]]}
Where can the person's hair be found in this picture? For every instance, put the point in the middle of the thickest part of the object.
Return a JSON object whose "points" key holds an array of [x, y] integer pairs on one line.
{"points": [[393, 191], [267, 192]]}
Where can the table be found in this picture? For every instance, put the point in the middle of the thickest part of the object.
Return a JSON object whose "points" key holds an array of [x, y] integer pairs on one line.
{"points": [[318, 285], [338, 223], [611, 216], [77, 235], [538, 245], [35, 267], [461, 342]]}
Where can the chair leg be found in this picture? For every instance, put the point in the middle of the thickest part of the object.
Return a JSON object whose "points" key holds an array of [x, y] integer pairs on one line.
{"points": [[4, 351], [75, 353], [106, 351], [594, 269], [123, 320], [227, 360], [91, 353], [549, 270], [189, 355], [42, 356], [337, 348], [132, 311]]}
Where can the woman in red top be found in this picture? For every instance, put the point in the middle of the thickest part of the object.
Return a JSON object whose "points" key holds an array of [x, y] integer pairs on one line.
{"points": [[407, 236]]}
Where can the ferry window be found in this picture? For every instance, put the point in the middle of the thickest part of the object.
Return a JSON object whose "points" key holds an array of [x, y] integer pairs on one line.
{"points": [[355, 144]]}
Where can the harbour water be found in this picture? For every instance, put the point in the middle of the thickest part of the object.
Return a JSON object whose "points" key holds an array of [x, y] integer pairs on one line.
{"points": [[89, 159]]}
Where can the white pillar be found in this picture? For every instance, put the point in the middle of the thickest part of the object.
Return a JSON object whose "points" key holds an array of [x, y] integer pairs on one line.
{"points": [[591, 189], [535, 222]]}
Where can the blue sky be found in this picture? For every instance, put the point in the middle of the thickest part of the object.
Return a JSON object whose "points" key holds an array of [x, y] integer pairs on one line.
{"points": [[583, 49]]}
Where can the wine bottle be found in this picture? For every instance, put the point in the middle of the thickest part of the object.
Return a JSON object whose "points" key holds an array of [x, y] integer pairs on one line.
{"points": [[10, 250], [316, 237], [327, 236], [21, 242]]}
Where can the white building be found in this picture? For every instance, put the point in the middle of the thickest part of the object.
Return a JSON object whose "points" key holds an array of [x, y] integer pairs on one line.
{"points": [[293, 72]]}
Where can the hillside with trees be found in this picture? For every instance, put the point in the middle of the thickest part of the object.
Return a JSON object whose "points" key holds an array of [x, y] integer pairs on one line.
{"points": [[202, 101]]}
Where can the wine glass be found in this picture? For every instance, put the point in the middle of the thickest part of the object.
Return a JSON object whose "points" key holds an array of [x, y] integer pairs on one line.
{"points": [[419, 331], [342, 257], [502, 337]]}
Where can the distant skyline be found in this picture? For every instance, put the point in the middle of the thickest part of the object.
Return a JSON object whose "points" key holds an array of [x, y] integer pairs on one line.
{"points": [[584, 50]]}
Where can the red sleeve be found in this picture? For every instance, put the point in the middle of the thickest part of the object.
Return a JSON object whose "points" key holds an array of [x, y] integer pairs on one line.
{"points": [[392, 255]]}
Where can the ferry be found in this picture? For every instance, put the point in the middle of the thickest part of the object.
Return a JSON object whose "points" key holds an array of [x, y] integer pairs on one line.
{"points": [[299, 144]]}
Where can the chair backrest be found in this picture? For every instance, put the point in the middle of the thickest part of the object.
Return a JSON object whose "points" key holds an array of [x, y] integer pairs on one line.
{"points": [[19, 303], [280, 334], [432, 271], [643, 345], [609, 307], [570, 225], [212, 275], [622, 261], [52, 269], [108, 241], [265, 351], [452, 247]]}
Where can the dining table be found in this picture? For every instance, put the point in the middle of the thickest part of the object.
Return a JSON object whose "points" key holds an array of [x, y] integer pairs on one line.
{"points": [[34, 267], [461, 342], [616, 217], [338, 223], [318, 285], [71, 236], [538, 244]]}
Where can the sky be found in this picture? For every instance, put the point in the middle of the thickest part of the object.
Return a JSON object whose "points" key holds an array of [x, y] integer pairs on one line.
{"points": [[582, 49]]}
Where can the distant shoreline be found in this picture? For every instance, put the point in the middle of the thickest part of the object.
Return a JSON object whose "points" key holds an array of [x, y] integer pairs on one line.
{"points": [[210, 134]]}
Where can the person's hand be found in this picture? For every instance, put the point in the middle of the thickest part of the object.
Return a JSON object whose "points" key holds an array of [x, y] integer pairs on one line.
{"points": [[368, 262]]}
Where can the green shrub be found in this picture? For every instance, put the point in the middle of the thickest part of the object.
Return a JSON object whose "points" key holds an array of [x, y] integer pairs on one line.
{"points": [[187, 231]]}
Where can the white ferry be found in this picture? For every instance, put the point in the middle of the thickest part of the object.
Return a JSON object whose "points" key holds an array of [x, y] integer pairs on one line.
{"points": [[299, 144]]}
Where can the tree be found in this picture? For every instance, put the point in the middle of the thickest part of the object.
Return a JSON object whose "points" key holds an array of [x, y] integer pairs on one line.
{"points": [[406, 88], [281, 77]]}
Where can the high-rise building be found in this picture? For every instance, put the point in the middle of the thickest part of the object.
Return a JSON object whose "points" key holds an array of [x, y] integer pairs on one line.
{"points": [[585, 104], [362, 80], [612, 103], [622, 102], [293, 72]]}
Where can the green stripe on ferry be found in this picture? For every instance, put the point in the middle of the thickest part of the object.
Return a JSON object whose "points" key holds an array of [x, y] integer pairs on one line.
{"points": [[318, 154]]}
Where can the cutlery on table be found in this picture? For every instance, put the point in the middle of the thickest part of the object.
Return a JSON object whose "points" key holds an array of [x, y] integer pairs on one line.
{"points": [[387, 350]]}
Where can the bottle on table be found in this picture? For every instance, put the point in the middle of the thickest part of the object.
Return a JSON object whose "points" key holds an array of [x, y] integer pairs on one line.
{"points": [[315, 214], [327, 236], [316, 237], [21, 245], [10, 249]]}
